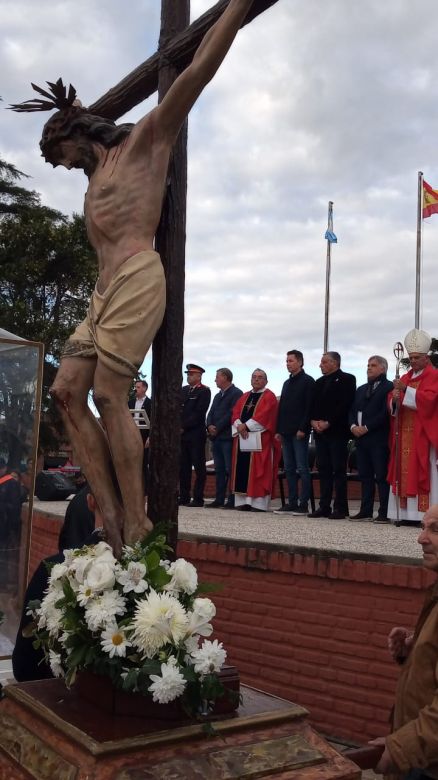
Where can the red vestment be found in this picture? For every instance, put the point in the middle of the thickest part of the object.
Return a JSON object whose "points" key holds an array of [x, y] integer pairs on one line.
{"points": [[263, 469], [418, 431]]}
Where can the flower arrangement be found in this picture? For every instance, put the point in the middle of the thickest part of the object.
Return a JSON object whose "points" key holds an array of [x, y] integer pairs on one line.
{"points": [[140, 620]]}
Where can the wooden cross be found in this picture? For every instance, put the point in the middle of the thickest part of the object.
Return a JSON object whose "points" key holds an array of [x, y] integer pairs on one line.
{"points": [[177, 45]]}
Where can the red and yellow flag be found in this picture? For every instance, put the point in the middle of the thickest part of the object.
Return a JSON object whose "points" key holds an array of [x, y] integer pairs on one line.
{"points": [[430, 200]]}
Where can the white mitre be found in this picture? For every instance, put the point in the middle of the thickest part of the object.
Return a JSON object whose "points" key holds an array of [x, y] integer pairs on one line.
{"points": [[418, 341]]}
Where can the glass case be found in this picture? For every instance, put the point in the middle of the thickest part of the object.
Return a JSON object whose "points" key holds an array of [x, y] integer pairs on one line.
{"points": [[21, 364]]}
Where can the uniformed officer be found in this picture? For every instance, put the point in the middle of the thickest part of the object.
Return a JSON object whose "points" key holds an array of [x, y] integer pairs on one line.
{"points": [[195, 402]]}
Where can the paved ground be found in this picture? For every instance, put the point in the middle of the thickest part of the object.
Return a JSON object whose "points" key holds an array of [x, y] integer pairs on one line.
{"points": [[342, 536], [338, 535]]}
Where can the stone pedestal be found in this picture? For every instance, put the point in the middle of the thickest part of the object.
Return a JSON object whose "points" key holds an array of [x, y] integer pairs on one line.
{"points": [[47, 732]]}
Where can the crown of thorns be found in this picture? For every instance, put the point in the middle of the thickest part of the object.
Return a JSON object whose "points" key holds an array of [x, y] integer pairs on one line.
{"points": [[58, 97]]}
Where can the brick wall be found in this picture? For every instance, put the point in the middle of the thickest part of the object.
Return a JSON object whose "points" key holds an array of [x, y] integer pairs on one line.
{"points": [[44, 538], [313, 629]]}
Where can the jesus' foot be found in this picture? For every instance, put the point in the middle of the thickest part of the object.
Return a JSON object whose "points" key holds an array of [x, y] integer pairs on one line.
{"points": [[134, 530]]}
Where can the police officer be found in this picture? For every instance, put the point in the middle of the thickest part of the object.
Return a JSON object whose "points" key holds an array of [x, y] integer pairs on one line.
{"points": [[195, 402]]}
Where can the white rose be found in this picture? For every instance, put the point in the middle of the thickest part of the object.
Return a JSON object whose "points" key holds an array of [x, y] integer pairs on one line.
{"points": [[78, 568], [103, 552], [184, 576], [100, 575]]}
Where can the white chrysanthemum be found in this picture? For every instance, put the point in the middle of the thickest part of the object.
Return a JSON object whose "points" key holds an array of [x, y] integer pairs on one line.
{"points": [[169, 685], [114, 641], [210, 657], [199, 619], [184, 577], [102, 610], [157, 620], [100, 575], [53, 619], [55, 664], [132, 578], [84, 595]]}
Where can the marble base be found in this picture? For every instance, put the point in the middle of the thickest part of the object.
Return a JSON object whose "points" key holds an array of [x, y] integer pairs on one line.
{"points": [[47, 732]]}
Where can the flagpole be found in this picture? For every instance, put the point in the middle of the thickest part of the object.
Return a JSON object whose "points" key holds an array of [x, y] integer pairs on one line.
{"points": [[327, 274], [419, 237]]}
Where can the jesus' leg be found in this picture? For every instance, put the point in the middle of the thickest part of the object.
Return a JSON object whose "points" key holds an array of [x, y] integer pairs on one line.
{"points": [[110, 396], [70, 390]]}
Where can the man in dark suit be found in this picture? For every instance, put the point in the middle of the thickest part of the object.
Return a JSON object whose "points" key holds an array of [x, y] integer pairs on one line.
{"points": [[369, 424], [219, 431], [141, 401], [334, 394], [195, 402]]}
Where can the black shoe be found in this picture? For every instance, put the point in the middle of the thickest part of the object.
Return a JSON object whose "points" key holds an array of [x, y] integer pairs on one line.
{"points": [[228, 506], [361, 516], [337, 516], [300, 510], [214, 505], [244, 508], [286, 509], [382, 520], [196, 503], [320, 513], [184, 502]]}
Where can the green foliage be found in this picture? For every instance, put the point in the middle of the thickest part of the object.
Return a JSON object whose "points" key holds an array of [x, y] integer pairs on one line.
{"points": [[48, 273]]}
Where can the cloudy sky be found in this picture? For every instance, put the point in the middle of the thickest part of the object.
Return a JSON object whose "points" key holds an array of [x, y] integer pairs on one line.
{"points": [[315, 102]]}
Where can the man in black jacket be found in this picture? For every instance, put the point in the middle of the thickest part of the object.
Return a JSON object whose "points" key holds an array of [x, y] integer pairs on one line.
{"points": [[195, 401], [293, 430], [219, 431], [334, 394], [369, 424], [139, 402]]}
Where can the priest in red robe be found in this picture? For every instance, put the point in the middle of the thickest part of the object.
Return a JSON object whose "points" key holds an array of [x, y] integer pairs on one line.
{"points": [[256, 453], [414, 480]]}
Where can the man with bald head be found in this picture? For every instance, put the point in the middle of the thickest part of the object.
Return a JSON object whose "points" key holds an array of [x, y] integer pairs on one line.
{"points": [[256, 452], [412, 747]]}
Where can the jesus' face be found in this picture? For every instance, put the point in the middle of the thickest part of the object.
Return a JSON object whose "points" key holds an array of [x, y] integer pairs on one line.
{"points": [[75, 153]]}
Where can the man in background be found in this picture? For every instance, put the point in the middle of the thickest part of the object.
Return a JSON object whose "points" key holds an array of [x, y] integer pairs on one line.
{"points": [[256, 452], [195, 400], [219, 432], [369, 424], [334, 394], [414, 479], [141, 402], [293, 431]]}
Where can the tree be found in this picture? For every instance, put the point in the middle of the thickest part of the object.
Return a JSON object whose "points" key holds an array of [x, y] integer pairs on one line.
{"points": [[48, 271]]}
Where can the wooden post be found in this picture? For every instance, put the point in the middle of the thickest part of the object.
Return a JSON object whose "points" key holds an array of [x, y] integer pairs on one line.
{"points": [[167, 350]]}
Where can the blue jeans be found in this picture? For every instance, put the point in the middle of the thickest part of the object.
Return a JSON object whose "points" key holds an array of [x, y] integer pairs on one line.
{"points": [[296, 464], [222, 449]]}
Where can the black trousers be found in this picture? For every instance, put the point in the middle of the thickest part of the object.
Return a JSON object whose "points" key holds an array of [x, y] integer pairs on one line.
{"points": [[331, 457], [372, 465], [192, 454]]}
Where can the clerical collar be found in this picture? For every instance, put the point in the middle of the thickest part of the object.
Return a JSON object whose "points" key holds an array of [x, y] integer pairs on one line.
{"points": [[415, 374]]}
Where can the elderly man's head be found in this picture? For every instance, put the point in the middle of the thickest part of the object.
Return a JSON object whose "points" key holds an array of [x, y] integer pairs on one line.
{"points": [[428, 538]]}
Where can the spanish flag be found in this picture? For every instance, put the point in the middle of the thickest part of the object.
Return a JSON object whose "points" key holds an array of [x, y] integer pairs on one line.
{"points": [[430, 200]]}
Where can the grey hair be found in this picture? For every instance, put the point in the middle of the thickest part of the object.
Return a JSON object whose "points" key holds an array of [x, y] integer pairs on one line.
{"points": [[381, 360]]}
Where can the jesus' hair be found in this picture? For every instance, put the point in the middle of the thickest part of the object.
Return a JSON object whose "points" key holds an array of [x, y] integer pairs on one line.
{"points": [[75, 122]]}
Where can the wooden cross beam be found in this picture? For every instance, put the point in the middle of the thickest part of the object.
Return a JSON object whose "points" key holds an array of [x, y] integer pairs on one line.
{"points": [[143, 81], [177, 45]]}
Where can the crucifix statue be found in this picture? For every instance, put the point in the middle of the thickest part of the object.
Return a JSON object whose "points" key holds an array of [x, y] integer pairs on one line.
{"points": [[127, 168]]}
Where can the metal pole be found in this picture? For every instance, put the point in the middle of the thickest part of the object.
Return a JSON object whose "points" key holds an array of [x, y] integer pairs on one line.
{"points": [[418, 263], [327, 276]]}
